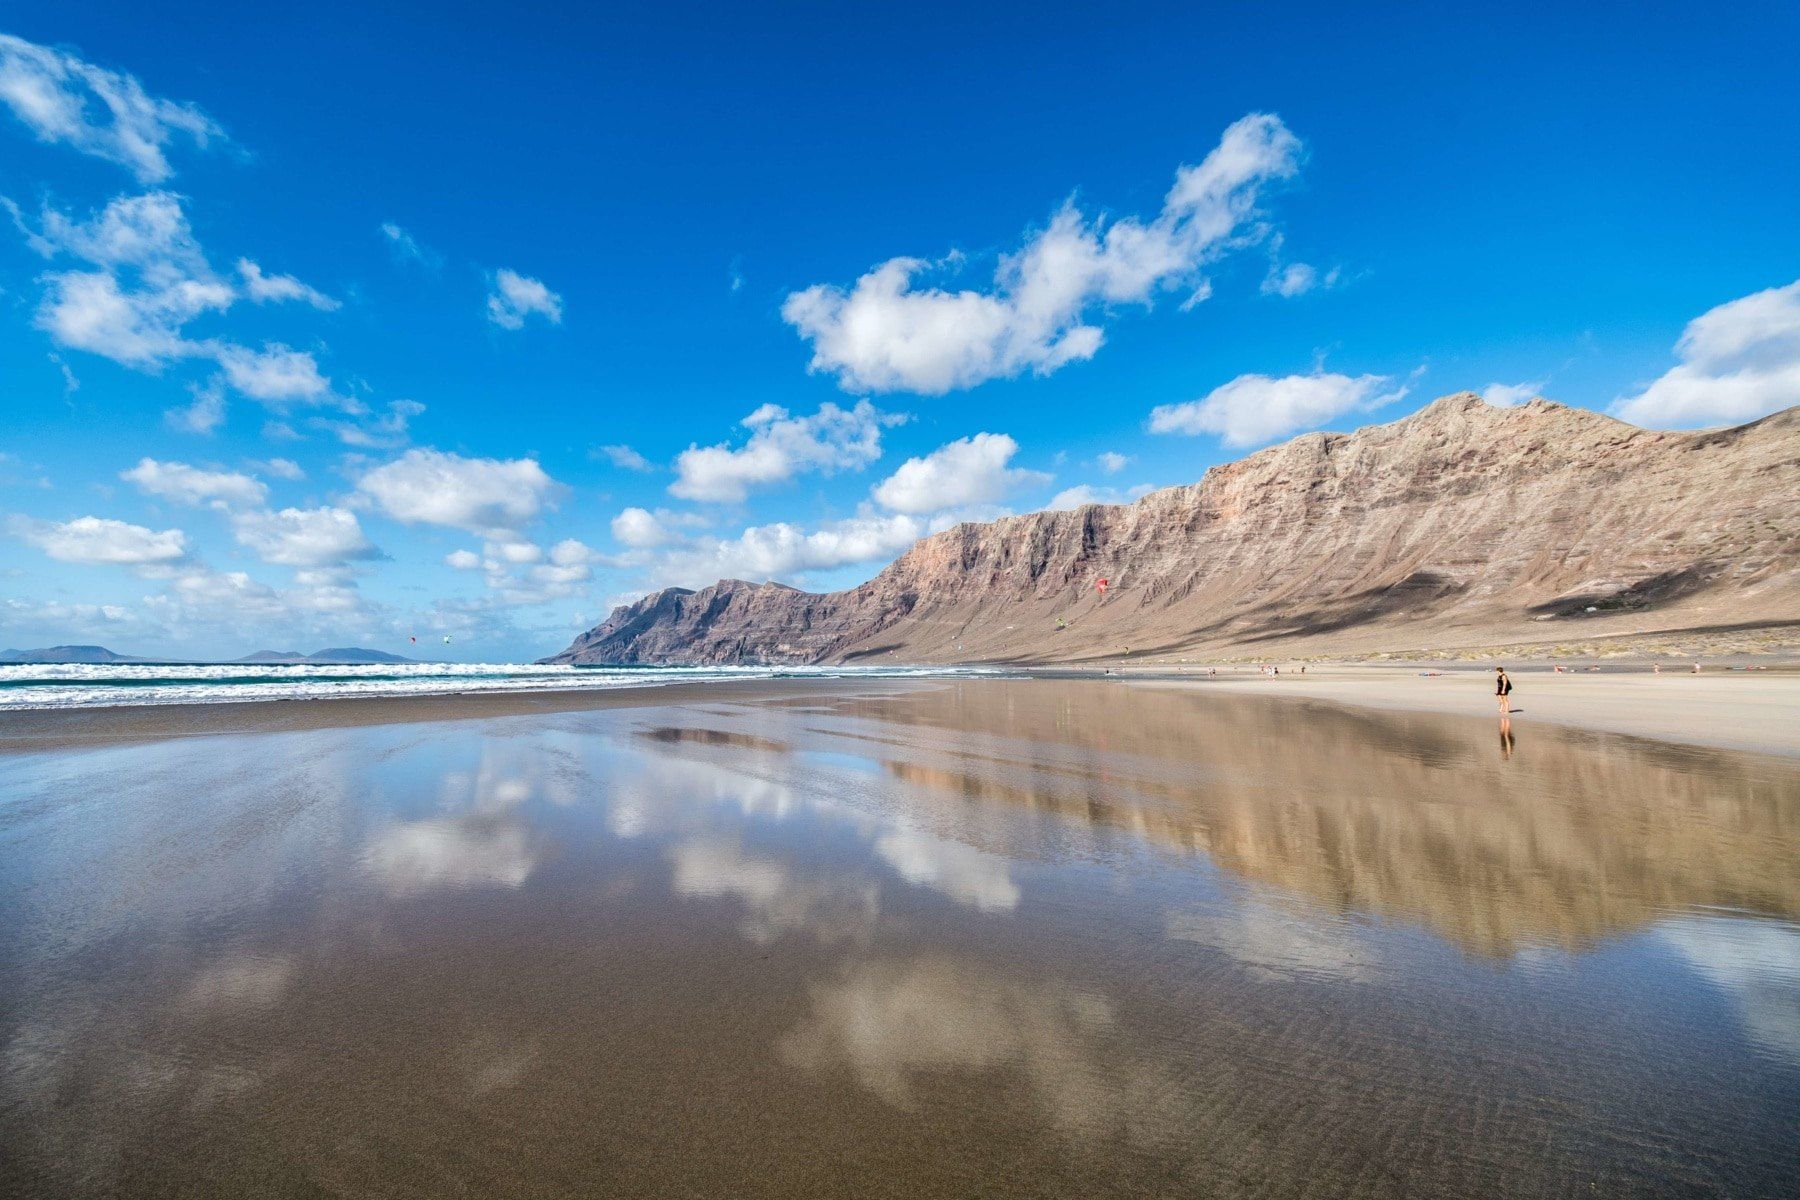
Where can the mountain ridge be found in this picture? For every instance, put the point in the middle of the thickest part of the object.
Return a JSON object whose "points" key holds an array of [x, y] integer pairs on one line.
{"points": [[1460, 524]]}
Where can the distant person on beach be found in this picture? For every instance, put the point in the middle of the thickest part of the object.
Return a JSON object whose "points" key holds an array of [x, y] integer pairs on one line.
{"points": [[1503, 690]]}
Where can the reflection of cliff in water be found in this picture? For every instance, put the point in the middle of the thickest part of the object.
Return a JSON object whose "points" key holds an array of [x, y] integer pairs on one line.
{"points": [[1573, 838]]}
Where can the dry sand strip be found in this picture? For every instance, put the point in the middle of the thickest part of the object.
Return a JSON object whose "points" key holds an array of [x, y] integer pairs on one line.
{"points": [[1735, 710]]}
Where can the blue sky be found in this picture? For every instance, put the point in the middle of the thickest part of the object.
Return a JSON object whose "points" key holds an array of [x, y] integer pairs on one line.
{"points": [[317, 325]]}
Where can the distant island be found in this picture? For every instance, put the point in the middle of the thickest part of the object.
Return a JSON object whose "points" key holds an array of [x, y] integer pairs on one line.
{"points": [[334, 656], [69, 654]]}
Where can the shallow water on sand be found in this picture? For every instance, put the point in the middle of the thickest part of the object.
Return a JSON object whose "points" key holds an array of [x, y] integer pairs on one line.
{"points": [[947, 938]]}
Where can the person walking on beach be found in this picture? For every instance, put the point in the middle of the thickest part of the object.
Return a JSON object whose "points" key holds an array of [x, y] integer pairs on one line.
{"points": [[1503, 690]]}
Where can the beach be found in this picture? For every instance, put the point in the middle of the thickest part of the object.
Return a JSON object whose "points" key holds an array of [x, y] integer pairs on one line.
{"points": [[916, 937], [1742, 710]]}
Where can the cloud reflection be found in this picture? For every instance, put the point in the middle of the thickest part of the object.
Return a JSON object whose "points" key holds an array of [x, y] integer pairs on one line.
{"points": [[895, 1024], [1757, 964]]}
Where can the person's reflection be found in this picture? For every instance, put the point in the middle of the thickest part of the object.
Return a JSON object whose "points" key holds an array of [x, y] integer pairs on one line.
{"points": [[1506, 738]]}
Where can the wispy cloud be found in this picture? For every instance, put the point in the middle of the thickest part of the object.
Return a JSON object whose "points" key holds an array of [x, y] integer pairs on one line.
{"points": [[516, 297], [624, 457], [408, 249], [66, 100]]}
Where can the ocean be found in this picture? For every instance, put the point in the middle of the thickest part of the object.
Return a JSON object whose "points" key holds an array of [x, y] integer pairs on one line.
{"points": [[105, 685]]}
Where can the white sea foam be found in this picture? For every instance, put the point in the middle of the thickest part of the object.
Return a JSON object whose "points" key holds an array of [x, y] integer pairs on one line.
{"points": [[104, 685]]}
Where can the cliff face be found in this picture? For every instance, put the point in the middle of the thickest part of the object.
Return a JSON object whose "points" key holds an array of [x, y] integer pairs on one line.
{"points": [[1461, 524]]}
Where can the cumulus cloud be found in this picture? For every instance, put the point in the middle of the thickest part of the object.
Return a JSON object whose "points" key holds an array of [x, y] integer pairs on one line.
{"points": [[968, 471], [304, 537], [152, 279], [193, 485], [1511, 395], [100, 541], [624, 457], [1085, 493], [1254, 409], [891, 332], [782, 446], [520, 572], [639, 528], [482, 495], [784, 551], [273, 289], [66, 100], [517, 296], [1739, 361], [1112, 463], [276, 375]]}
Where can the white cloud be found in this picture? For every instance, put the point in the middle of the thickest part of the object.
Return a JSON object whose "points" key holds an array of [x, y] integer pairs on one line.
{"points": [[1112, 463], [276, 375], [100, 541], [1511, 395], [282, 468], [406, 248], [1295, 279], [519, 572], [148, 233], [625, 458], [304, 537], [971, 470], [204, 415], [886, 334], [639, 529], [1739, 361], [192, 485], [481, 495], [1084, 493], [267, 289], [1253, 409], [153, 279], [87, 310], [66, 100], [146, 238], [783, 551], [780, 447], [387, 432], [517, 296]]}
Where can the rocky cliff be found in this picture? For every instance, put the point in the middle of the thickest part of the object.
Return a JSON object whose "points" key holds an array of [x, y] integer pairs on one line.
{"points": [[1462, 524]]}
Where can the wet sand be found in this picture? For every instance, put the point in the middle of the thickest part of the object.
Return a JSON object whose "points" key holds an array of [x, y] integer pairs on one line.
{"points": [[918, 939], [1755, 711]]}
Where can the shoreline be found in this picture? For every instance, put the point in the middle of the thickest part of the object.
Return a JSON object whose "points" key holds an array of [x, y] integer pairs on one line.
{"points": [[1755, 712], [37, 730]]}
